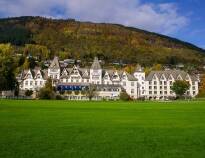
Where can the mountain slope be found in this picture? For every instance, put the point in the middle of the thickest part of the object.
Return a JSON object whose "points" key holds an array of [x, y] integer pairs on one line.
{"points": [[84, 40]]}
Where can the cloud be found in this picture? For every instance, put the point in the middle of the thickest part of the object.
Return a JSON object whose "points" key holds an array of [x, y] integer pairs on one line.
{"points": [[162, 18]]}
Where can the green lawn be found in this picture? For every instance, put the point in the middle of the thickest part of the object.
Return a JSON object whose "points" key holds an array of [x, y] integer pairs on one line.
{"points": [[63, 129]]}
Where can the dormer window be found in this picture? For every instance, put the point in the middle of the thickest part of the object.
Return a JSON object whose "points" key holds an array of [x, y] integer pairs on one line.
{"points": [[124, 77], [106, 77], [179, 78], [162, 77], [115, 76]]}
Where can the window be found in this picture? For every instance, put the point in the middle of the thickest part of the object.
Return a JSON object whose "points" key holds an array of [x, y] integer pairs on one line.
{"points": [[160, 82], [31, 83], [155, 87], [36, 83], [150, 92], [132, 84], [155, 82], [40, 82], [150, 82], [155, 92], [26, 83], [132, 91], [150, 87], [124, 77], [165, 82]]}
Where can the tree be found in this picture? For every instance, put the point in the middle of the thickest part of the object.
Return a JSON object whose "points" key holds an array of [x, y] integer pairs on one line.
{"points": [[29, 63], [157, 67], [47, 91], [129, 69], [180, 87], [6, 49], [90, 91], [202, 87], [7, 77]]}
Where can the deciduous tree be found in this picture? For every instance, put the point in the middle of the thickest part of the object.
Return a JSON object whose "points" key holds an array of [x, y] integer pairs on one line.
{"points": [[180, 87]]}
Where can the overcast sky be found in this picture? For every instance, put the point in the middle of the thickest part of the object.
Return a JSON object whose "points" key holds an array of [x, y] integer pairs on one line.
{"points": [[183, 19]]}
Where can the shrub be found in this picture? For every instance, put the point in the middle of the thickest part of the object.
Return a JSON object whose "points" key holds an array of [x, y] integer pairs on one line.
{"points": [[69, 92], [28, 93], [124, 96], [77, 92], [46, 94], [62, 92], [141, 99], [59, 97], [171, 98]]}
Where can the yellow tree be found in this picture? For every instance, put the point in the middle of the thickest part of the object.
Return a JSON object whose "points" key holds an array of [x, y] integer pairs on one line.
{"points": [[129, 69], [202, 87], [157, 67], [6, 49]]}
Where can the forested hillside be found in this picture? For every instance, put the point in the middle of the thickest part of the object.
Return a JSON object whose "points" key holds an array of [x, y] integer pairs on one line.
{"points": [[45, 38]]}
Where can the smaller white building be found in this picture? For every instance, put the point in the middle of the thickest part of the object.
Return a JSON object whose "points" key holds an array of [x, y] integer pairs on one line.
{"points": [[158, 84], [32, 79]]}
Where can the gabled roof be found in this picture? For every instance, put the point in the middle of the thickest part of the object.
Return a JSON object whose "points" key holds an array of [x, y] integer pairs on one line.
{"points": [[167, 73], [96, 64], [34, 72], [55, 63], [120, 74]]}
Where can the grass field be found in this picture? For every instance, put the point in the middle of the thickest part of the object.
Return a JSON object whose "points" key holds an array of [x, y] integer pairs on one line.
{"points": [[63, 129]]}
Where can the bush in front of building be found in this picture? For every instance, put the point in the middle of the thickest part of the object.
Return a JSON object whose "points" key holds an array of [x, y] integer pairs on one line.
{"points": [[69, 92], [77, 92], [141, 98], [28, 93], [47, 91], [59, 97], [46, 94], [124, 96]]}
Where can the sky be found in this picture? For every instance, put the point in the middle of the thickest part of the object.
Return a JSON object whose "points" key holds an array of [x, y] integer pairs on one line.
{"points": [[182, 19]]}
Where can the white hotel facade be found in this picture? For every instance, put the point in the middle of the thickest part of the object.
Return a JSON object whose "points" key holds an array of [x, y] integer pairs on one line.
{"points": [[109, 83]]}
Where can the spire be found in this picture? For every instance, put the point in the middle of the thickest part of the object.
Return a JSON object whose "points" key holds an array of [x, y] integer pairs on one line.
{"points": [[96, 64], [139, 68], [55, 63]]}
